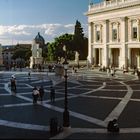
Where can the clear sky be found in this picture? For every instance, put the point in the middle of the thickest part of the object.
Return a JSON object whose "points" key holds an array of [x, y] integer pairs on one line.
{"points": [[20, 20]]}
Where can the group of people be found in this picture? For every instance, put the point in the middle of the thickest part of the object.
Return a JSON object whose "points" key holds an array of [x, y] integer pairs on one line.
{"points": [[74, 70], [110, 70], [38, 93]]}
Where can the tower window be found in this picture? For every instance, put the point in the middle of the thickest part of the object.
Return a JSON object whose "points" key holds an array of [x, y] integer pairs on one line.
{"points": [[134, 32], [114, 34], [98, 36]]}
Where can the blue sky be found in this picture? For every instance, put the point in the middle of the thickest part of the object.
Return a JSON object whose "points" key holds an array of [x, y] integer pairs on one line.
{"points": [[20, 20]]}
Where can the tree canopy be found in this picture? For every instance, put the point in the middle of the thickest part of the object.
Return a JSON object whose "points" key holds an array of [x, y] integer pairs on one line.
{"points": [[80, 42], [55, 49], [23, 52], [74, 42]]}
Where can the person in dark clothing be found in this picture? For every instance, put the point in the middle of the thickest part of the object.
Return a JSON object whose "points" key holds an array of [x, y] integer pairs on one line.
{"points": [[29, 75], [138, 74], [41, 93], [50, 68], [113, 126], [51, 82], [13, 84], [52, 94], [35, 95]]}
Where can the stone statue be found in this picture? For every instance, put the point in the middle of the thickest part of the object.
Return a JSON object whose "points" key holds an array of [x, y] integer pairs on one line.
{"points": [[77, 58], [36, 57], [36, 50]]}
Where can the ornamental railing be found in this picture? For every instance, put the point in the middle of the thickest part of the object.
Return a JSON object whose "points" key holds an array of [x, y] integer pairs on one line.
{"points": [[112, 3]]}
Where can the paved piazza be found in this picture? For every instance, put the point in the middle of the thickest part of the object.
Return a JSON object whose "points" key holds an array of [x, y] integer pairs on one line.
{"points": [[94, 98]]}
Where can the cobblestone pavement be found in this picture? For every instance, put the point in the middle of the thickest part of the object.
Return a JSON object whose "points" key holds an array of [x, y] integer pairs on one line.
{"points": [[94, 98]]}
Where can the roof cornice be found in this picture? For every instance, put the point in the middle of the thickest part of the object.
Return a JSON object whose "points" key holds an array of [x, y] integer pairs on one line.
{"points": [[110, 8]]}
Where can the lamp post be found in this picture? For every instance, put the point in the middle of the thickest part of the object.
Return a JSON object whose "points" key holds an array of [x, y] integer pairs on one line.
{"points": [[66, 121]]}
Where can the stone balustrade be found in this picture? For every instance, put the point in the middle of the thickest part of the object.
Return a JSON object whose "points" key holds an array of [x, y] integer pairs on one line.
{"points": [[112, 3]]}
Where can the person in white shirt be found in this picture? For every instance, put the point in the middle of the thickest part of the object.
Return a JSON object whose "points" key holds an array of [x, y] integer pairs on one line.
{"points": [[108, 71]]}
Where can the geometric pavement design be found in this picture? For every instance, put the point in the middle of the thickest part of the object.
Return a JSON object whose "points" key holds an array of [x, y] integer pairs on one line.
{"points": [[94, 98]]}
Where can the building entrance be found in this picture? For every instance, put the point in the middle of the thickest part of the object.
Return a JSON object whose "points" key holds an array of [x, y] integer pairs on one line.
{"points": [[97, 57], [115, 57], [135, 57]]}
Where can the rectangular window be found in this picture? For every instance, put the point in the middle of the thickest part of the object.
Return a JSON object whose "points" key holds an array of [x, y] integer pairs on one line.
{"points": [[98, 36], [114, 34], [134, 32]]}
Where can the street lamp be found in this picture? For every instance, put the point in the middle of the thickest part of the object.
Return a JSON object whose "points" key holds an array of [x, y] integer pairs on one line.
{"points": [[66, 121]]}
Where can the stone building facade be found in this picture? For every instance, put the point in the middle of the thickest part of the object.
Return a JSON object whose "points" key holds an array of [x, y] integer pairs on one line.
{"points": [[114, 33]]}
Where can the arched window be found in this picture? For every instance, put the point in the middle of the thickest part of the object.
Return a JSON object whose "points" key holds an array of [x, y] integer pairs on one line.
{"points": [[114, 34], [134, 33], [134, 29], [98, 33], [114, 31]]}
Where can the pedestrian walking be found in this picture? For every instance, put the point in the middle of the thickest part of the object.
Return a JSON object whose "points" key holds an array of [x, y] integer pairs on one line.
{"points": [[73, 70], [35, 95], [13, 84], [138, 74], [41, 93], [52, 94], [112, 72], [108, 71], [51, 82], [135, 70], [29, 75]]}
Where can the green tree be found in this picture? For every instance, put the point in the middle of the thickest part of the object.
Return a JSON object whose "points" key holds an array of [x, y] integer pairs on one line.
{"points": [[80, 43], [55, 49], [78, 32], [51, 51], [45, 52], [76, 42], [22, 52]]}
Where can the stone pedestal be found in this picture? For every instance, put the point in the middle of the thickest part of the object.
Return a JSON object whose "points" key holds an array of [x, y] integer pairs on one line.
{"points": [[35, 61]]}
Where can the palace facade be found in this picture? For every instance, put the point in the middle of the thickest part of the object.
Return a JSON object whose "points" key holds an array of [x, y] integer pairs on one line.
{"points": [[114, 33]]}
